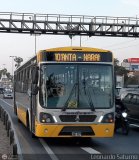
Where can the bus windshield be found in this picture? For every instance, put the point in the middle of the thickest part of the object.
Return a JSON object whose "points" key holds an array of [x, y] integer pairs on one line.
{"points": [[76, 86]]}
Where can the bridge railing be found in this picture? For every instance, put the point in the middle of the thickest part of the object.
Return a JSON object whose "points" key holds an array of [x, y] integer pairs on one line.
{"points": [[69, 18], [69, 24]]}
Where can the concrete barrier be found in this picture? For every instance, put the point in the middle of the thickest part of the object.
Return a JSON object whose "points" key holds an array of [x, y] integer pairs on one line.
{"points": [[8, 127], [6, 119]]}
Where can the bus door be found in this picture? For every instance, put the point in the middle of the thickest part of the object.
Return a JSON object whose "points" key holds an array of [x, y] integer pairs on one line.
{"points": [[34, 92]]}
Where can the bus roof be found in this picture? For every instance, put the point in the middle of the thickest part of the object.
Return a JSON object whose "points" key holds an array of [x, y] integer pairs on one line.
{"points": [[71, 49]]}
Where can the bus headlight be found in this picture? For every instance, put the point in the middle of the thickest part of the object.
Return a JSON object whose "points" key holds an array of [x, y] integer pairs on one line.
{"points": [[46, 118], [108, 118]]}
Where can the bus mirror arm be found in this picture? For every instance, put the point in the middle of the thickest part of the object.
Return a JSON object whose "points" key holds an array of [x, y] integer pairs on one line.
{"points": [[35, 75], [35, 89]]}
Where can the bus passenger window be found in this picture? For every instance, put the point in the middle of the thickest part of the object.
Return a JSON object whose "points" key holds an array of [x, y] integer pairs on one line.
{"points": [[54, 88]]}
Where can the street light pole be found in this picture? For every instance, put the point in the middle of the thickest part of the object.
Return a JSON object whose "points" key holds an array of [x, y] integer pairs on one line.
{"points": [[12, 63], [80, 41], [35, 44]]}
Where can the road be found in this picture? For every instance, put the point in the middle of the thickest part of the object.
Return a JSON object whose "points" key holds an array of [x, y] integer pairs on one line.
{"points": [[71, 149]]}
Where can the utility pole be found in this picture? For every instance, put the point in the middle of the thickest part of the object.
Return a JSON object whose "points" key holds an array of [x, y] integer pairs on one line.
{"points": [[80, 41], [12, 64], [35, 44]]}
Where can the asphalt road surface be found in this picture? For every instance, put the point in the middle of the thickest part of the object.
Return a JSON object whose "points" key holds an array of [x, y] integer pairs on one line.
{"points": [[121, 146]]}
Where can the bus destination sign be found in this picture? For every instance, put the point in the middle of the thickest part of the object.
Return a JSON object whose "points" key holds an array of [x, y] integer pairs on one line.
{"points": [[69, 57], [79, 57]]}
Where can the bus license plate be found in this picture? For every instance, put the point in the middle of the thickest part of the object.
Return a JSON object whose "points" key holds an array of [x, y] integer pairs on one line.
{"points": [[76, 134]]}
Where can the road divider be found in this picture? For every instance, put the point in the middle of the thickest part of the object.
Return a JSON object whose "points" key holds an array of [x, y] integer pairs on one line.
{"points": [[6, 119]]}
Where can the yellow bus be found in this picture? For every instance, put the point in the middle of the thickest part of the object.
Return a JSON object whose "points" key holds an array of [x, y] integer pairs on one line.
{"points": [[66, 92]]}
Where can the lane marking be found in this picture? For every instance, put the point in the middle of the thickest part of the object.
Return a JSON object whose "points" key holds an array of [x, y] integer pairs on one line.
{"points": [[135, 125], [6, 102], [90, 150], [48, 149]]}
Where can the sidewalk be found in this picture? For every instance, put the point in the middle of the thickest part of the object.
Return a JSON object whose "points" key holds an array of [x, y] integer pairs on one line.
{"points": [[5, 148]]}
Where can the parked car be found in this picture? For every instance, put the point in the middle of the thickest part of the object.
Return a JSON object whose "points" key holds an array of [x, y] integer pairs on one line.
{"points": [[8, 94], [124, 91], [131, 102], [1, 90]]}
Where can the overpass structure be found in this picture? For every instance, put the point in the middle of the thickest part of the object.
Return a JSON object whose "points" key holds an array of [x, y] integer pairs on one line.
{"points": [[56, 24]]}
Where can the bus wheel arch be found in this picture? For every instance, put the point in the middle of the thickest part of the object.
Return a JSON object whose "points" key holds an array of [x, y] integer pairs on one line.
{"points": [[15, 109], [28, 120]]}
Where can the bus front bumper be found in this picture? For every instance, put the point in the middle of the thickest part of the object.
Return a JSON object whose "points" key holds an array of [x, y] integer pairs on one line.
{"points": [[81, 130]]}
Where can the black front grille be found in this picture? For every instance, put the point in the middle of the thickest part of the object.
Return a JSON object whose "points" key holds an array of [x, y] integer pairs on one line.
{"points": [[68, 118], [87, 118], [77, 118], [83, 130]]}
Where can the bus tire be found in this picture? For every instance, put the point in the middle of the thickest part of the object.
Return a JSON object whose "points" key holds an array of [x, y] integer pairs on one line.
{"points": [[15, 110], [19, 121], [27, 120], [29, 125], [33, 135]]}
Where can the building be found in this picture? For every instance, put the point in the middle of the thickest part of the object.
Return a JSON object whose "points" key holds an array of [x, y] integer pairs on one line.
{"points": [[131, 64], [5, 82], [120, 81]]}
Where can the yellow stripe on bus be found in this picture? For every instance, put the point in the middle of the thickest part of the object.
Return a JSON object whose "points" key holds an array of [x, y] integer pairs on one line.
{"points": [[101, 130]]}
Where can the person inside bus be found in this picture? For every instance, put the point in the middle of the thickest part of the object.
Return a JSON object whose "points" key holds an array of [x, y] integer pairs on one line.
{"points": [[51, 85], [53, 88], [60, 89]]}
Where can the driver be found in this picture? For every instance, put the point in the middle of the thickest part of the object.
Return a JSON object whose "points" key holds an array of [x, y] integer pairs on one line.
{"points": [[120, 104]]}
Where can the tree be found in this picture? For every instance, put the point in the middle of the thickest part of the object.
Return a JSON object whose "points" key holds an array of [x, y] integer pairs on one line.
{"points": [[18, 61], [9, 76], [5, 72], [119, 70], [132, 81], [116, 62]]}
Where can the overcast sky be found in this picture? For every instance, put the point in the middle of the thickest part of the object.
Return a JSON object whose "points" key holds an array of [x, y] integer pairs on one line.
{"points": [[24, 45]]}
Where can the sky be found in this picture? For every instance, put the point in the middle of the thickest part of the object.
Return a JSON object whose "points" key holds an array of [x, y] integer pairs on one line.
{"points": [[22, 45]]}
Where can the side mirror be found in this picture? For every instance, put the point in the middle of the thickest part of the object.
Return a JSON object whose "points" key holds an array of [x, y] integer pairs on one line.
{"points": [[35, 89], [35, 75]]}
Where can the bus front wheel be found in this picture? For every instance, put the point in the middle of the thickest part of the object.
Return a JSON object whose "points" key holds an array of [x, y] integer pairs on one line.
{"points": [[29, 126]]}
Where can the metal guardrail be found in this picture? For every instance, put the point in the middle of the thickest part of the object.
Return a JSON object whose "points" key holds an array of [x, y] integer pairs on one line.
{"points": [[57, 24]]}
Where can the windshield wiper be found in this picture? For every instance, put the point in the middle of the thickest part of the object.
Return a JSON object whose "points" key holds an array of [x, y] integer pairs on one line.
{"points": [[69, 97], [90, 100], [87, 93]]}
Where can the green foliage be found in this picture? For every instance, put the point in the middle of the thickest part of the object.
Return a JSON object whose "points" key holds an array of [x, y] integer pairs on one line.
{"points": [[132, 81], [18, 61], [119, 70], [4, 72], [116, 62]]}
